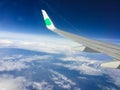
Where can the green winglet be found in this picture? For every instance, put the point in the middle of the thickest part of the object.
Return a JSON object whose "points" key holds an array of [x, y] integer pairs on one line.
{"points": [[48, 22]]}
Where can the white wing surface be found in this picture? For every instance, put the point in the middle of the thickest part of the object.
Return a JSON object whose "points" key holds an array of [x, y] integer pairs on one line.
{"points": [[90, 44]]}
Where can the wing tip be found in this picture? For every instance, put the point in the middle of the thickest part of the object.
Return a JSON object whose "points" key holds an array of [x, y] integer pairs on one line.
{"points": [[48, 21], [43, 11]]}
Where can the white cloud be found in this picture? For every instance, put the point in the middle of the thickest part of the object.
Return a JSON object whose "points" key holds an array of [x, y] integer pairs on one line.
{"points": [[18, 62], [84, 78], [76, 88], [36, 58], [61, 80], [115, 76], [82, 68], [78, 59], [5, 43], [6, 58], [42, 86], [51, 45], [8, 82], [43, 46], [12, 65], [48, 44], [90, 67], [102, 87], [82, 64]]}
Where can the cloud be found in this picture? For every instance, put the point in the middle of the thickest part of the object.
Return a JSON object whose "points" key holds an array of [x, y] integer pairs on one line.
{"points": [[115, 76], [89, 66], [102, 87], [18, 62], [51, 45], [82, 64], [11, 57], [36, 58], [78, 59], [8, 82], [84, 78], [48, 44], [12, 65], [42, 86], [5, 43], [76, 88], [82, 68], [61, 80], [45, 46]]}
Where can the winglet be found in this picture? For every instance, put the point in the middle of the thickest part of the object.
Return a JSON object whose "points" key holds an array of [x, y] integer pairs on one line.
{"points": [[48, 21]]}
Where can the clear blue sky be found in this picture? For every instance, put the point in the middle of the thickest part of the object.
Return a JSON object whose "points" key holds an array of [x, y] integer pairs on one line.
{"points": [[92, 18]]}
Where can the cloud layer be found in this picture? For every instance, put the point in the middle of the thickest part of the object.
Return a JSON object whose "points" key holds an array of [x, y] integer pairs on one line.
{"points": [[61, 80], [18, 62], [89, 66], [9, 82], [71, 61]]}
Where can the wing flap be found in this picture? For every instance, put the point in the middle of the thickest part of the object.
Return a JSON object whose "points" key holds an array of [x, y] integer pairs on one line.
{"points": [[112, 64], [84, 49]]}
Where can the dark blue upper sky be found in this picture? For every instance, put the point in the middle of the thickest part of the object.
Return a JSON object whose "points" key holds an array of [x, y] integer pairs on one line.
{"points": [[92, 18]]}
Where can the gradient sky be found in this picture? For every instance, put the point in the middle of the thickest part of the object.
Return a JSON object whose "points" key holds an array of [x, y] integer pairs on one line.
{"points": [[91, 18]]}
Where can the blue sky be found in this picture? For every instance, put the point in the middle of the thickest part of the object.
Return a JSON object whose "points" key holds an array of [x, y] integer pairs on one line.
{"points": [[91, 18]]}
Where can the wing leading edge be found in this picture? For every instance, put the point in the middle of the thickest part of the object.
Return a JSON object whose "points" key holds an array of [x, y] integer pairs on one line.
{"points": [[102, 47]]}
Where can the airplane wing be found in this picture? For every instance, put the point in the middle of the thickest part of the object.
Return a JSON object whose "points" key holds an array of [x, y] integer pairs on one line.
{"points": [[90, 44]]}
